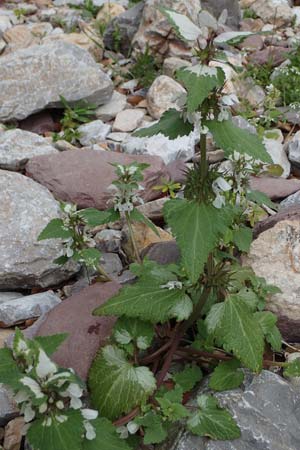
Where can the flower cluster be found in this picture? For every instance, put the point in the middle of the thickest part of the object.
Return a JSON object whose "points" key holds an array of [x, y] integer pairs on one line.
{"points": [[47, 391]]}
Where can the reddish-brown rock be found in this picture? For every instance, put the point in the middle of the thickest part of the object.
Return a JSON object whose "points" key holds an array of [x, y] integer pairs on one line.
{"points": [[84, 176], [86, 333], [273, 55], [39, 123], [275, 188]]}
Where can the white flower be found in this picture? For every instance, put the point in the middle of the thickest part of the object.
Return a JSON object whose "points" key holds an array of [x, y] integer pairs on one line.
{"points": [[61, 418], [122, 432], [172, 285], [21, 396], [204, 129], [223, 115], [29, 413], [132, 170], [219, 201], [60, 404], [45, 366], [43, 408], [89, 414], [132, 427], [75, 403], [90, 430]]}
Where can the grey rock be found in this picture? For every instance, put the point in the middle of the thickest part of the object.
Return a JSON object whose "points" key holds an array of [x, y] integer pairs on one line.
{"points": [[293, 149], [93, 132], [109, 111], [26, 208], [172, 64], [108, 241], [265, 10], [117, 136], [267, 410], [127, 24], [18, 146], [291, 200], [241, 122], [164, 93], [216, 7], [6, 296], [5, 24], [33, 79], [8, 409], [128, 120], [18, 310], [111, 263]]}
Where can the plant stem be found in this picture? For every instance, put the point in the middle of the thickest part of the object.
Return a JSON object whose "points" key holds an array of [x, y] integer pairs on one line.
{"points": [[203, 157], [132, 239]]}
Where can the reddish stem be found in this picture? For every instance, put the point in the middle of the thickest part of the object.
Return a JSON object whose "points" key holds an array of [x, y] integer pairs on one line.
{"points": [[127, 418]]}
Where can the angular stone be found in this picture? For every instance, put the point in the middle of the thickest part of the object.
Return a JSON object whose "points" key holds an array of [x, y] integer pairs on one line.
{"points": [[270, 11], [109, 111], [128, 120], [40, 123], [216, 7], [163, 252], [23, 36], [18, 146], [34, 78], [171, 65], [26, 208], [93, 132], [274, 54], [275, 188], [84, 176], [294, 149], [164, 93], [5, 296], [291, 200], [266, 409], [14, 434], [86, 333], [33, 306], [5, 334], [111, 264], [144, 237], [275, 255], [8, 409], [109, 240]]}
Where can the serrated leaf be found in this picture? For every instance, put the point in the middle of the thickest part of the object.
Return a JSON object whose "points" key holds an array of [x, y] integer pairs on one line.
{"points": [[62, 436], [188, 378], [9, 372], [51, 343], [292, 369], [240, 333], [116, 385], [242, 238], [199, 81], [184, 27], [137, 216], [55, 230], [227, 375], [133, 330], [61, 260], [171, 124], [106, 437], [94, 217], [274, 338], [90, 256], [148, 300], [213, 421], [155, 431], [267, 321], [230, 138], [261, 199], [197, 228]]}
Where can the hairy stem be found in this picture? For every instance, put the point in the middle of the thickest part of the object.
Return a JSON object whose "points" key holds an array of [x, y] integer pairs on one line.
{"points": [[132, 239], [203, 157]]}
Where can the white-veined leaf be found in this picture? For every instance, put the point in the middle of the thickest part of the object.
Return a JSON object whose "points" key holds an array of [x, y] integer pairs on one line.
{"points": [[186, 29], [232, 37], [106, 437]]}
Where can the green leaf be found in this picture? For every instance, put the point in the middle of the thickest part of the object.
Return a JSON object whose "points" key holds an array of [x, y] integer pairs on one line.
{"points": [[116, 385], [51, 343], [274, 338], [199, 82], [89, 256], [232, 37], [94, 217], [197, 229], [183, 26], [267, 321], [55, 230], [155, 431], [106, 437], [242, 238], [62, 436], [137, 216], [61, 260], [148, 300], [188, 378], [261, 199], [229, 138], [133, 330], [241, 333], [292, 369], [171, 124], [226, 375], [213, 421], [9, 371]]}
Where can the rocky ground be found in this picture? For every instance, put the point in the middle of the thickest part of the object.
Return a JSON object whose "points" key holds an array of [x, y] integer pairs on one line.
{"points": [[122, 56]]}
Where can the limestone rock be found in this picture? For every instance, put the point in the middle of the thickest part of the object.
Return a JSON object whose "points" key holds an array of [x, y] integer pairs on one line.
{"points": [[93, 132], [144, 237], [8, 409], [26, 208], [291, 200], [172, 64], [109, 111], [84, 176], [275, 188], [216, 7], [14, 434], [18, 146], [270, 10], [23, 36], [275, 255], [294, 149], [266, 409], [34, 78], [109, 11], [164, 93], [128, 120]]}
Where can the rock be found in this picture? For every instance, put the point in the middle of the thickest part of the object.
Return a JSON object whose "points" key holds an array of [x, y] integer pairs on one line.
{"points": [[291, 200], [5, 334], [26, 208], [84, 176], [128, 120], [241, 122], [156, 33], [109, 240], [111, 264], [23, 36], [275, 188], [127, 25], [144, 236], [5, 296], [291, 115], [109, 111], [252, 43], [272, 55], [18, 146], [5, 24], [33, 306], [215, 7], [8, 409], [40, 123], [159, 145], [171, 65], [275, 255], [40, 74], [14, 434], [153, 210], [271, 11], [163, 252], [290, 213], [164, 93], [93, 132], [266, 409], [109, 11], [86, 333], [293, 149], [177, 171], [273, 141]]}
